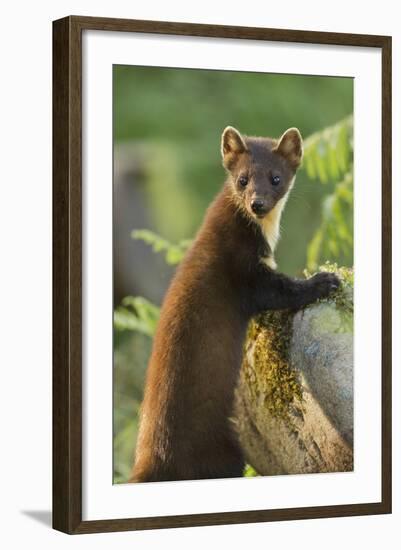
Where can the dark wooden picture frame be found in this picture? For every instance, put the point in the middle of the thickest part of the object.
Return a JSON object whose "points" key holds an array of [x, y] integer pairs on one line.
{"points": [[67, 274]]}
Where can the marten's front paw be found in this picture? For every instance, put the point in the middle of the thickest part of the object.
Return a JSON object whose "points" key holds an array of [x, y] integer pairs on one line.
{"points": [[324, 283]]}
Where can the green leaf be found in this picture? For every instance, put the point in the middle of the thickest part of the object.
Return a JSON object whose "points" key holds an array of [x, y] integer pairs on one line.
{"points": [[174, 253], [329, 158], [332, 161], [343, 148], [327, 154], [249, 471], [136, 314]]}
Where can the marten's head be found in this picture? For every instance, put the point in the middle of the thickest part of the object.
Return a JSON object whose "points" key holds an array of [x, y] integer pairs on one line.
{"points": [[261, 170]]}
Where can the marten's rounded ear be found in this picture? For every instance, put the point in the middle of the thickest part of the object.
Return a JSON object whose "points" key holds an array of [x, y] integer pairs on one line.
{"points": [[290, 147], [232, 144]]}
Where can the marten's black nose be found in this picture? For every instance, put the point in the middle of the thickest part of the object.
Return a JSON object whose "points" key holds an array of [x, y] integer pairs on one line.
{"points": [[258, 206]]}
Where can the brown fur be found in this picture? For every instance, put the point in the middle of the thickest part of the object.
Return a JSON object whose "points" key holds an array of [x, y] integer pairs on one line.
{"points": [[185, 429]]}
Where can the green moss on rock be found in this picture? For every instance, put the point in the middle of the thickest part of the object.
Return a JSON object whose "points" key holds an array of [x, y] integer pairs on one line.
{"points": [[268, 375], [343, 297]]}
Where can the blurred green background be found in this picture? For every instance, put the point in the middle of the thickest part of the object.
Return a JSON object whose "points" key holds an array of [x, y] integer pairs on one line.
{"points": [[167, 169]]}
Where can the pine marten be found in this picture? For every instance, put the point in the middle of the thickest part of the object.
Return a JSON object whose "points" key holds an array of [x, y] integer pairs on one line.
{"points": [[227, 276]]}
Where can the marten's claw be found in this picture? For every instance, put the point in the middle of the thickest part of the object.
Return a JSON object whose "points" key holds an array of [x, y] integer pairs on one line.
{"points": [[325, 283]]}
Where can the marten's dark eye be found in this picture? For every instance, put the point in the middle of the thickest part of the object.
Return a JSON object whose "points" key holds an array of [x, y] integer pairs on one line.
{"points": [[275, 180], [243, 181]]}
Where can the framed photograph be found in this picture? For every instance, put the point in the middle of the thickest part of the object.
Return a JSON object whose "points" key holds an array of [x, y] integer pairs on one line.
{"points": [[222, 274]]}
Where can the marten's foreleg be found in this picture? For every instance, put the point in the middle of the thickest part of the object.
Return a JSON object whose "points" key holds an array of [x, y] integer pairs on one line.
{"points": [[271, 290]]}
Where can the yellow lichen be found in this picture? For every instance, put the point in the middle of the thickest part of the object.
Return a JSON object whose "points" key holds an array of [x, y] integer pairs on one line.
{"points": [[269, 374]]}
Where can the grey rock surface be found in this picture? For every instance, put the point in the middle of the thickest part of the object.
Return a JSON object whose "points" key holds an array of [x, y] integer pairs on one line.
{"points": [[322, 350], [294, 402]]}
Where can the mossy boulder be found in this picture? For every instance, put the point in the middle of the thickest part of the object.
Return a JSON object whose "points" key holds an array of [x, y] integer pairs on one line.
{"points": [[294, 401]]}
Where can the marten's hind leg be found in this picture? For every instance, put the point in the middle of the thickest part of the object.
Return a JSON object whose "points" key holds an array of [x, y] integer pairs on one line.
{"points": [[223, 461], [142, 473], [213, 467]]}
